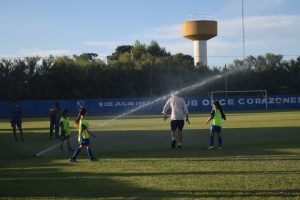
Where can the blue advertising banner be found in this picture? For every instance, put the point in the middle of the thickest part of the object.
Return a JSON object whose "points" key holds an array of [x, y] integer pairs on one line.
{"points": [[151, 105]]}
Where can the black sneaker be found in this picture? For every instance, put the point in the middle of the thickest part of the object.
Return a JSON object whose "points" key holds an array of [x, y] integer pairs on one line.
{"points": [[94, 159], [72, 160], [173, 144], [179, 146]]}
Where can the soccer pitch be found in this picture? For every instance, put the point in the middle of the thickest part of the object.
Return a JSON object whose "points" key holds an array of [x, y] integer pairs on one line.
{"points": [[260, 160]]}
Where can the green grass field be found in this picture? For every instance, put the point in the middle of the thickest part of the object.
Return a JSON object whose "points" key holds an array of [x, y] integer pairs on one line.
{"points": [[260, 160]]}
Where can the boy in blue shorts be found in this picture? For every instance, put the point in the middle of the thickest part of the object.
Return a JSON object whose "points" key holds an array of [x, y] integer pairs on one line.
{"points": [[16, 119], [216, 117]]}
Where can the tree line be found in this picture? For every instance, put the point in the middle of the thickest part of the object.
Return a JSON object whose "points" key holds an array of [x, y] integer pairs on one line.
{"points": [[139, 70]]}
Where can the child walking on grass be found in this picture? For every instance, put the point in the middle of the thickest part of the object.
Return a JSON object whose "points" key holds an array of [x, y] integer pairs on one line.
{"points": [[216, 117], [83, 135], [65, 130]]}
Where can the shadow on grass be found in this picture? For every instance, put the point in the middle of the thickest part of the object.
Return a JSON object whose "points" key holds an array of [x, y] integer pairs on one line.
{"points": [[236, 142], [52, 182], [156, 144], [45, 172], [23, 176]]}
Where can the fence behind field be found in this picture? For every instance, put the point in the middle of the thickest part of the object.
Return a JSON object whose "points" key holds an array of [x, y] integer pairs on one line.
{"points": [[32, 108]]}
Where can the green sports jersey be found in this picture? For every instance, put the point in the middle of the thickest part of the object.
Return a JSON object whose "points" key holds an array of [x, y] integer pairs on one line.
{"points": [[83, 133], [66, 124], [217, 118]]}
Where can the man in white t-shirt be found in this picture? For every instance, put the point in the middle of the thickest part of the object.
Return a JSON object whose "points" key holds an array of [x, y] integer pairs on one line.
{"points": [[179, 112]]}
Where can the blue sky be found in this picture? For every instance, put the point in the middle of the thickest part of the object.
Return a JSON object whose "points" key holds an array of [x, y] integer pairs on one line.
{"points": [[66, 27]]}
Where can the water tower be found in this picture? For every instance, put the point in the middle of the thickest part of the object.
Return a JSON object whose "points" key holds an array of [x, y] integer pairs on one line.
{"points": [[200, 31]]}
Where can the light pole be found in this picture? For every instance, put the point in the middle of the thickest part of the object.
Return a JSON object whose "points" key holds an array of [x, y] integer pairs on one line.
{"points": [[226, 81]]}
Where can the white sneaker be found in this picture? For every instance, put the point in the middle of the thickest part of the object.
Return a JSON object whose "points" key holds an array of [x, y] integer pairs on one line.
{"points": [[211, 147], [179, 145]]}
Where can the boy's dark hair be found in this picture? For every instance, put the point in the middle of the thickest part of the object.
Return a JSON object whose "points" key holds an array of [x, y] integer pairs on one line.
{"points": [[56, 104], [13, 101], [65, 111], [218, 106]]}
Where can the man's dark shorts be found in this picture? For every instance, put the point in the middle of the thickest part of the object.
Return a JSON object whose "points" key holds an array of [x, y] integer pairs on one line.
{"points": [[177, 124], [16, 123]]}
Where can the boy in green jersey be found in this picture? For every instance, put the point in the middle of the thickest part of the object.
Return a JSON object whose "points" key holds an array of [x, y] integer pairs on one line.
{"points": [[65, 130]]}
